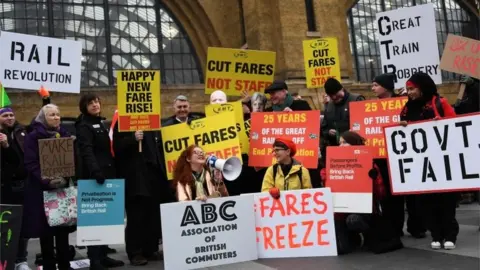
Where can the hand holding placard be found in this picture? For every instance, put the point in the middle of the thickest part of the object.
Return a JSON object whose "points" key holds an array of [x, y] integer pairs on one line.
{"points": [[139, 138]]}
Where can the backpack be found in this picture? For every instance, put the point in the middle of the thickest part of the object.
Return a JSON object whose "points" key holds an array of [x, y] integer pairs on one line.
{"points": [[299, 173]]}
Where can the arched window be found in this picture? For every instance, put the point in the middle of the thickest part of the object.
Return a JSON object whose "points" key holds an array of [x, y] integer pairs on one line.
{"points": [[115, 34], [450, 18]]}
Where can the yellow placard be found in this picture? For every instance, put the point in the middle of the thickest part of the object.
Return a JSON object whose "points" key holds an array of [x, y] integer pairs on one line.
{"points": [[321, 61], [217, 135], [237, 109], [235, 70], [138, 100]]}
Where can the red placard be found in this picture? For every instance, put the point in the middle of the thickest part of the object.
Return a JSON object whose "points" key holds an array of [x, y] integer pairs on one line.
{"points": [[302, 127], [140, 122], [368, 118], [347, 169]]}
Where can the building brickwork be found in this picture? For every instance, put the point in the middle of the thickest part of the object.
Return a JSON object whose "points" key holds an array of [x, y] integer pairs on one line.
{"points": [[276, 25]]}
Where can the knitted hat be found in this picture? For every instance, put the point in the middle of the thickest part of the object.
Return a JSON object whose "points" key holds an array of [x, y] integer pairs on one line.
{"points": [[386, 81], [332, 86], [5, 109], [286, 144]]}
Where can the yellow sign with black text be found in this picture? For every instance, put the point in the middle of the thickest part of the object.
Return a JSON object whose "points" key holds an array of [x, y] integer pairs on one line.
{"points": [[138, 100], [217, 135], [321, 61], [237, 109], [234, 70]]}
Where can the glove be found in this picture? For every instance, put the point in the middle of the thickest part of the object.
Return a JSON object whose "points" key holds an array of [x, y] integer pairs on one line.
{"points": [[44, 93], [275, 193], [373, 173], [466, 79], [99, 177]]}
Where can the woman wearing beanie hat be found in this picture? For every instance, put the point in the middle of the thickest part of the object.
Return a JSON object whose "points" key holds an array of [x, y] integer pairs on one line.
{"points": [[438, 209], [287, 173]]}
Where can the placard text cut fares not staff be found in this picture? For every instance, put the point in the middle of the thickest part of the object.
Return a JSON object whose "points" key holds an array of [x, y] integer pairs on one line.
{"points": [[217, 135], [302, 127], [321, 61], [235, 70], [138, 100], [299, 224], [368, 118], [434, 156]]}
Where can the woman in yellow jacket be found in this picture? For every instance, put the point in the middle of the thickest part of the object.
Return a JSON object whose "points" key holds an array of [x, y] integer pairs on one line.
{"points": [[287, 173]]}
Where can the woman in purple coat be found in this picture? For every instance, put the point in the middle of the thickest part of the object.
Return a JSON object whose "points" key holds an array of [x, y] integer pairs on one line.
{"points": [[46, 125]]}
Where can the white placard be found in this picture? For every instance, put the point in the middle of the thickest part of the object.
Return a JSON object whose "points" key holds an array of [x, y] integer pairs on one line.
{"points": [[197, 235], [434, 156], [408, 42], [299, 224], [28, 62]]}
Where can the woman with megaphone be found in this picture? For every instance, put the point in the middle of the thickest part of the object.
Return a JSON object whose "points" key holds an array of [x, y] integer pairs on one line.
{"points": [[287, 173], [194, 180]]}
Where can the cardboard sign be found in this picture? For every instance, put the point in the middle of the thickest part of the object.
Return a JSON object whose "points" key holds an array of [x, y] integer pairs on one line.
{"points": [[31, 61], [235, 70], [217, 135], [302, 127], [56, 157], [101, 213], [368, 118], [461, 55], [347, 175], [10, 226], [407, 38], [217, 232], [299, 224], [237, 109], [321, 61], [138, 100], [434, 156]]}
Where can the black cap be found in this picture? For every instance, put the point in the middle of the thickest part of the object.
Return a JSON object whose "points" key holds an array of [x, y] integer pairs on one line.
{"points": [[276, 86], [386, 81], [332, 86]]}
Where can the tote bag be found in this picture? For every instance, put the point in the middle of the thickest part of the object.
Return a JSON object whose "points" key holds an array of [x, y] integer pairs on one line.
{"points": [[61, 206]]}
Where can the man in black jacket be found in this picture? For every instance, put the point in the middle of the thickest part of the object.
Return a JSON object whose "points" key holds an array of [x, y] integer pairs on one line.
{"points": [[95, 162], [282, 100], [182, 112]]}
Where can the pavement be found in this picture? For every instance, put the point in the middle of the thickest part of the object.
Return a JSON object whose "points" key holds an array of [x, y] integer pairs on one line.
{"points": [[416, 254]]}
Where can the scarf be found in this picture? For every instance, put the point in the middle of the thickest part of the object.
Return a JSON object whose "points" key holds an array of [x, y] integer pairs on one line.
{"points": [[199, 184], [287, 103]]}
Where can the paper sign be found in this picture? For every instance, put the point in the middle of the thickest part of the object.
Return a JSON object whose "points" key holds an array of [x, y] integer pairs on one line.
{"points": [[321, 61], [347, 175], [138, 100], [368, 118], [235, 70], [461, 55], [56, 157]]}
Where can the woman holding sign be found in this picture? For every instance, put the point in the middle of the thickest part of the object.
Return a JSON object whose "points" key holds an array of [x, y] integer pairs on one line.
{"points": [[424, 103], [192, 178], [45, 126], [287, 173]]}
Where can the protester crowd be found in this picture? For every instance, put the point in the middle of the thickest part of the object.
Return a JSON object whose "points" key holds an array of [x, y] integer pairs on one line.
{"points": [[147, 186]]}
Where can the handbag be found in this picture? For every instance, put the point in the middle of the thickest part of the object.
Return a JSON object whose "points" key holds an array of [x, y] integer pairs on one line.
{"points": [[61, 206]]}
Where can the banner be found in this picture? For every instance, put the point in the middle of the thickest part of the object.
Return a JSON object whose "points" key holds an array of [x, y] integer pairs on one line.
{"points": [[138, 100], [299, 224], [236, 70], [321, 61], [30, 61], [302, 127], [461, 55], [347, 176], [197, 235], [10, 226], [434, 156], [101, 213], [407, 38], [368, 118], [217, 135], [56, 157], [237, 109]]}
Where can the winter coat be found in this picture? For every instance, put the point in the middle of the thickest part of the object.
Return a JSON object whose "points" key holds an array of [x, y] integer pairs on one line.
{"points": [[35, 224], [185, 193], [290, 182], [93, 148]]}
